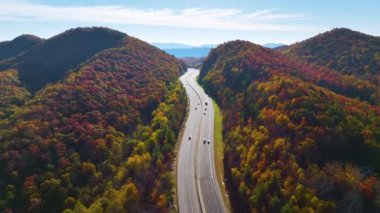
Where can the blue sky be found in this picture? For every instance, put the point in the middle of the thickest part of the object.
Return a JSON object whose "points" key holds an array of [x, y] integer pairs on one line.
{"points": [[192, 22]]}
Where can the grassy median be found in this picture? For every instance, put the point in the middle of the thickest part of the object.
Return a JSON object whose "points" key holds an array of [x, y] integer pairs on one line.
{"points": [[219, 153]]}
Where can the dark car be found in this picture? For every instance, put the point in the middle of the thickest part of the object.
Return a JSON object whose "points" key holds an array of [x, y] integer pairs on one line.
{"points": [[189, 138]]}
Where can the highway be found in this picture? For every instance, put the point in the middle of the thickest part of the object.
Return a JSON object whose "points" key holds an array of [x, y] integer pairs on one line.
{"points": [[197, 186]]}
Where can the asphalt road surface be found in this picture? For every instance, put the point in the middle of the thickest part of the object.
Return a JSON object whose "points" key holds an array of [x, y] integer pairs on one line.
{"points": [[198, 189]]}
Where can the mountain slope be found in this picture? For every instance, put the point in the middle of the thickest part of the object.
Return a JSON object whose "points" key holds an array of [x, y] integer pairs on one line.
{"points": [[49, 60], [262, 58], [291, 145], [9, 49], [340, 49], [100, 140], [12, 94]]}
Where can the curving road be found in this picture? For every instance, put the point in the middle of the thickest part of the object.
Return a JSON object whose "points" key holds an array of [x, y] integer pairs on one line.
{"points": [[198, 190]]}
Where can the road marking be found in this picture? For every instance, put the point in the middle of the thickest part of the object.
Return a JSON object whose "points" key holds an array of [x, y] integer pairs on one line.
{"points": [[204, 197]]}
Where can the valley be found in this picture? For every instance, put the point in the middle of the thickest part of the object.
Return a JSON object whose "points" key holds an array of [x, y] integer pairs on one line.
{"points": [[96, 120]]}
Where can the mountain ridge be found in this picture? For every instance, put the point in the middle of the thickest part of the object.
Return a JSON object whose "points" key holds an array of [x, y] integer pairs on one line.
{"points": [[290, 140], [98, 139], [9, 49], [341, 49], [49, 60]]}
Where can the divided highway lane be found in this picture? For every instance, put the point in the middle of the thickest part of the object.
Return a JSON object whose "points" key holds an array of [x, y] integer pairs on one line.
{"points": [[198, 189]]}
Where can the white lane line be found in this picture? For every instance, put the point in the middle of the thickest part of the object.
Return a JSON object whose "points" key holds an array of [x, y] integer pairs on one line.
{"points": [[198, 188], [188, 178]]}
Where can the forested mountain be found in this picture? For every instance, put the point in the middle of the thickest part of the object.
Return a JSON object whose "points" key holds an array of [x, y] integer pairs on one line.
{"points": [[296, 138], [347, 85], [49, 60], [341, 49], [9, 49], [99, 140]]}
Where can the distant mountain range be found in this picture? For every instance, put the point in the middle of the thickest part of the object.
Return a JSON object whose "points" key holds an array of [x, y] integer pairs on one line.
{"points": [[169, 46], [184, 50], [273, 45], [197, 52]]}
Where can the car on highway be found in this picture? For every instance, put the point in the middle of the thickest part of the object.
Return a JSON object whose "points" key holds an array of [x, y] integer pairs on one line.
{"points": [[208, 141], [189, 138], [206, 102], [204, 141]]}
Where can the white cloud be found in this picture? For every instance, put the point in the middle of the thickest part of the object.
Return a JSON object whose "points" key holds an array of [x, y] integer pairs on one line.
{"points": [[222, 19]]}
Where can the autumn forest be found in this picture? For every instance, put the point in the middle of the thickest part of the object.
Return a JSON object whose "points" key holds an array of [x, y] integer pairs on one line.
{"points": [[91, 119], [301, 131], [97, 139]]}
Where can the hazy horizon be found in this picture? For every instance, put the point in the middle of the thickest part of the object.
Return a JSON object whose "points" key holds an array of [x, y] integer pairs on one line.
{"points": [[191, 22]]}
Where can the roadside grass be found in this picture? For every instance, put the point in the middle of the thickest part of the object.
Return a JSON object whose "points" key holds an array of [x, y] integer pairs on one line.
{"points": [[219, 153]]}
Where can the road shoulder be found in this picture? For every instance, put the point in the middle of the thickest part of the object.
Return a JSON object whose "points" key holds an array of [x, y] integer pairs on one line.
{"points": [[219, 153]]}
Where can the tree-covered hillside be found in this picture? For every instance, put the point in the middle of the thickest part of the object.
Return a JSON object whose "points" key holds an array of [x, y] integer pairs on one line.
{"points": [[51, 59], [295, 139], [100, 140], [341, 49], [10, 49], [257, 57]]}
